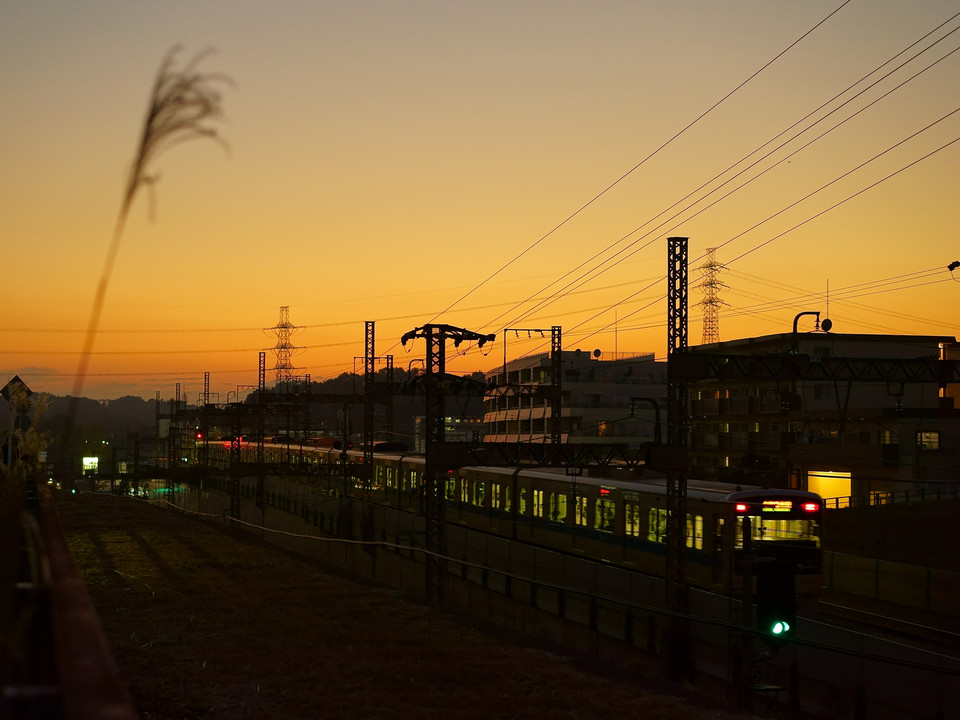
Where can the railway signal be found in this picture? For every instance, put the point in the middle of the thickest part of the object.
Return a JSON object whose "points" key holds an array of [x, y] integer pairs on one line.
{"points": [[776, 604]]}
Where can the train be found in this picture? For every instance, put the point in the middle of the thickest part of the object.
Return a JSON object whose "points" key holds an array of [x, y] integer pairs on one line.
{"points": [[615, 520]]}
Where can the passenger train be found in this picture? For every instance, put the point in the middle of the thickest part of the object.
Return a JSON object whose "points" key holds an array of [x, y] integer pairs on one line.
{"points": [[618, 521]]}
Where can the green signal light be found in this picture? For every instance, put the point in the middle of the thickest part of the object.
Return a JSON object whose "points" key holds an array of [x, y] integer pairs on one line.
{"points": [[780, 627]]}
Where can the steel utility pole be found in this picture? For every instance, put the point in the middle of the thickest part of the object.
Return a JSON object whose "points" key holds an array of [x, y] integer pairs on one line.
{"points": [[434, 419], [677, 326]]}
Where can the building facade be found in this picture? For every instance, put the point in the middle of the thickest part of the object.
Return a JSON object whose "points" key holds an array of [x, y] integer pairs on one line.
{"points": [[610, 401], [840, 414]]}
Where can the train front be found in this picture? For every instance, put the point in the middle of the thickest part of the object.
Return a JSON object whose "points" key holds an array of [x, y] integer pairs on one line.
{"points": [[778, 527]]}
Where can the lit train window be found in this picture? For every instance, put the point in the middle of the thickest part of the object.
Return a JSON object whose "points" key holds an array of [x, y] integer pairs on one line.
{"points": [[558, 507], [507, 499], [465, 491], [633, 518], [695, 532], [391, 478], [771, 530], [657, 525], [756, 530], [479, 493], [522, 509], [538, 503], [605, 515], [580, 510], [495, 496], [450, 488], [786, 530]]}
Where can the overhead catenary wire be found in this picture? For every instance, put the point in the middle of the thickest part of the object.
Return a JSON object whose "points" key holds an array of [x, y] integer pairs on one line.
{"points": [[665, 144], [608, 263], [569, 332], [808, 219], [643, 161], [864, 289]]}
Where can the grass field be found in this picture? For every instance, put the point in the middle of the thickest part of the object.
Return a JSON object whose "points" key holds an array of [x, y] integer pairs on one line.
{"points": [[206, 624]]}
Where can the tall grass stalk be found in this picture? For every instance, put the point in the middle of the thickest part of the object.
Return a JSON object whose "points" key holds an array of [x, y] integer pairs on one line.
{"points": [[185, 104], [182, 104]]}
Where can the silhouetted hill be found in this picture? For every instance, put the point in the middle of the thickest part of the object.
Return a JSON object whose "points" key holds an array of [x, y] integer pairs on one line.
{"points": [[118, 421], [123, 415]]}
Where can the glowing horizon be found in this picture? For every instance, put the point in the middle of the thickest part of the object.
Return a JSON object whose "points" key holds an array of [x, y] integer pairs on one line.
{"points": [[386, 159]]}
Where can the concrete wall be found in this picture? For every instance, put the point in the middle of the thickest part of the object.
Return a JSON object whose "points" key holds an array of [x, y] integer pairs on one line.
{"points": [[891, 582]]}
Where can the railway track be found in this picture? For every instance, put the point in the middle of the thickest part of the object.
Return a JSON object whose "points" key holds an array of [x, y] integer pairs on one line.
{"points": [[930, 636]]}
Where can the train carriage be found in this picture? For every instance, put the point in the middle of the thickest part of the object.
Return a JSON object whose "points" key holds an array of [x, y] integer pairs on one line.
{"points": [[623, 522], [616, 521]]}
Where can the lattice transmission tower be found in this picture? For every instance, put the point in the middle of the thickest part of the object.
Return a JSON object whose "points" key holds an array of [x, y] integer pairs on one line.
{"points": [[711, 286], [284, 350]]}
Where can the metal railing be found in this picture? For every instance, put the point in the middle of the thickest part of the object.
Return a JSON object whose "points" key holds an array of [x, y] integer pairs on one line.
{"points": [[62, 667], [889, 497]]}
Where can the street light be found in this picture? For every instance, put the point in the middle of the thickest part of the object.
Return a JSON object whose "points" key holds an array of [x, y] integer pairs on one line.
{"points": [[819, 327]]}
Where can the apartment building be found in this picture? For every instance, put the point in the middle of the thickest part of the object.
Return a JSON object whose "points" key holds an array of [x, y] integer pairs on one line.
{"points": [[603, 399], [840, 414]]}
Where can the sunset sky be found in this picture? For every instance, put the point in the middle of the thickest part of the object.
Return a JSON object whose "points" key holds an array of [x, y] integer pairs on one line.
{"points": [[487, 165]]}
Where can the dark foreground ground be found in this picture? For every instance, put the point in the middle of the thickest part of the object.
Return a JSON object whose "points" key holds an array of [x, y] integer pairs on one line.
{"points": [[206, 624]]}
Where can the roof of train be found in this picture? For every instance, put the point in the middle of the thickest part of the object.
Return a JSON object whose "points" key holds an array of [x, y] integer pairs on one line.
{"points": [[700, 489]]}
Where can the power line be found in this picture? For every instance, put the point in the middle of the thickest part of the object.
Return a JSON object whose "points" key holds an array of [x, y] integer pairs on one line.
{"points": [[608, 263], [827, 209], [642, 162]]}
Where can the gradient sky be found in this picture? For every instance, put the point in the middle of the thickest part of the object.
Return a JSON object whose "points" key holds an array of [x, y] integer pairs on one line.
{"points": [[388, 160]]}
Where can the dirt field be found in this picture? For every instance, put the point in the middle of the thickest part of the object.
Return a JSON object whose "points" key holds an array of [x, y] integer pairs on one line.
{"points": [[204, 624]]}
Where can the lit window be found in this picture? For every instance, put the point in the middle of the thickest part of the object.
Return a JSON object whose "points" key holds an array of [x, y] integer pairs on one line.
{"points": [[581, 511], [605, 514], [558, 507], [928, 440], [538, 503], [695, 532], [632, 519], [657, 525]]}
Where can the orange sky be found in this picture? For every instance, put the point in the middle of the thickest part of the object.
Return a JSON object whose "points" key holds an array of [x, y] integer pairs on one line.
{"points": [[389, 159]]}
